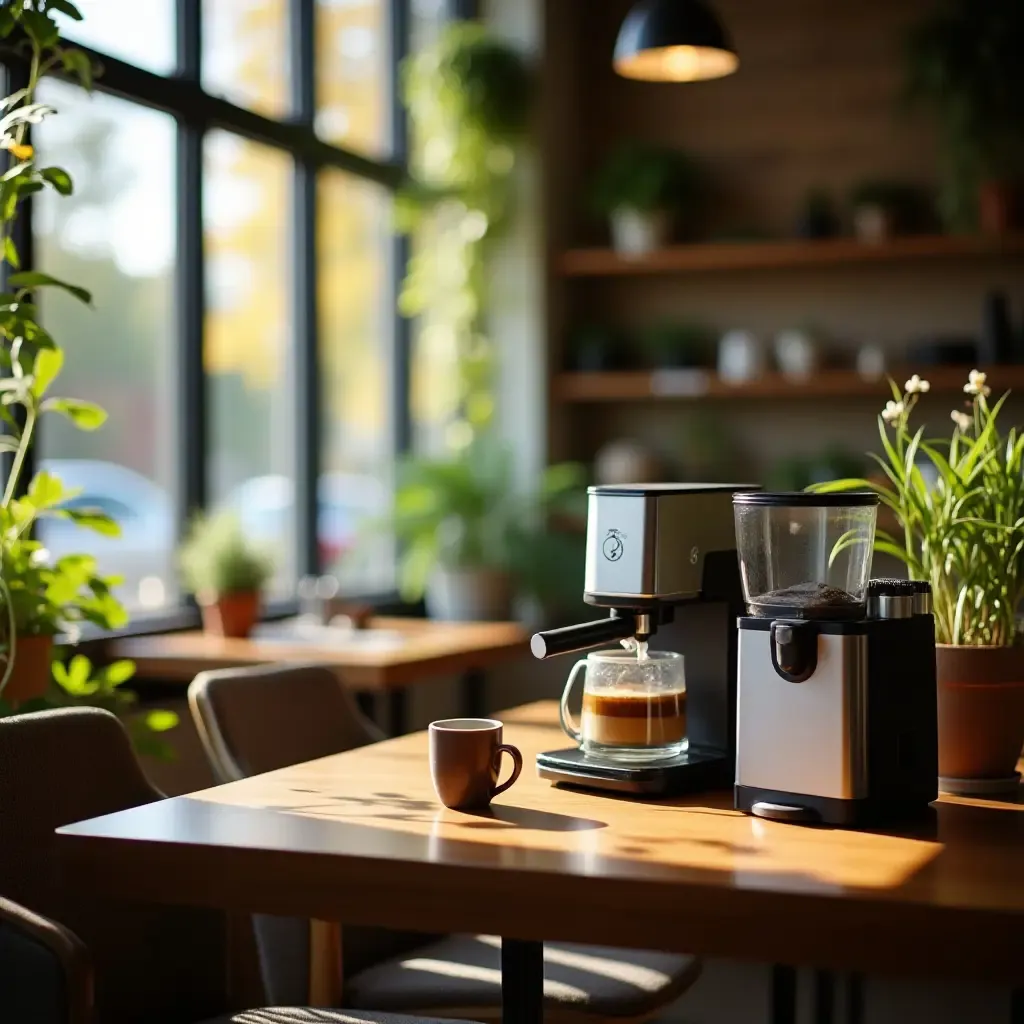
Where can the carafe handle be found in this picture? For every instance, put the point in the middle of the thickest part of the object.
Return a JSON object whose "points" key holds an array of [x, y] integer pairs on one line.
{"points": [[563, 708]]}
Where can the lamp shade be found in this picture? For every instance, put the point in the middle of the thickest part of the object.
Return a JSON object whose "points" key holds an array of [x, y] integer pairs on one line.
{"points": [[673, 41]]}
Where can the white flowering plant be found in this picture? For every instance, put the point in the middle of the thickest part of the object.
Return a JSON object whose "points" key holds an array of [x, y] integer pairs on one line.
{"points": [[960, 505]]}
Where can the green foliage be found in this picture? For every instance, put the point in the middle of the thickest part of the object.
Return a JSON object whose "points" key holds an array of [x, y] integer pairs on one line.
{"points": [[465, 511], [468, 101], [670, 344], [964, 61], [960, 505], [78, 683], [43, 597], [217, 558], [646, 178]]}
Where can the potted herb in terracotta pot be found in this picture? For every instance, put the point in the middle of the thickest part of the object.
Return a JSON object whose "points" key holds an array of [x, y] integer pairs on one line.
{"points": [[226, 572], [960, 507], [643, 190]]}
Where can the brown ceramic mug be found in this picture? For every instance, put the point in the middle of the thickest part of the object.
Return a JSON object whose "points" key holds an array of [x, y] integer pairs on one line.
{"points": [[465, 758]]}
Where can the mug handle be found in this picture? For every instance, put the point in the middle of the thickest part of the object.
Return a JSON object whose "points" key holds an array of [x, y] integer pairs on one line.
{"points": [[563, 708], [517, 764]]}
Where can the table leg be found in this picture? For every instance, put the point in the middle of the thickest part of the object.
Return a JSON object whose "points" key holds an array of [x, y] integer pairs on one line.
{"points": [[783, 1008], [824, 997], [522, 982], [854, 999], [398, 713], [325, 980], [474, 698], [1017, 1006]]}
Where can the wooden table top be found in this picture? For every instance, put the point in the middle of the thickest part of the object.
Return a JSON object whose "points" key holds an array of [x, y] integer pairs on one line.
{"points": [[359, 837], [429, 649]]}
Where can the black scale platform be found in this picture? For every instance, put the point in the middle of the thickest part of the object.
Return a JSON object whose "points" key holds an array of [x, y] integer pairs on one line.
{"points": [[691, 771]]}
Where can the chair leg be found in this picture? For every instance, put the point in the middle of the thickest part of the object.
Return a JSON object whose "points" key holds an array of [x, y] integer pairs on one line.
{"points": [[783, 995], [522, 982]]}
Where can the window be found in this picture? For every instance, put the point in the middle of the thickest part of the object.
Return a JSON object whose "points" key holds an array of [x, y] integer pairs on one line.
{"points": [[244, 337], [248, 346], [120, 352]]}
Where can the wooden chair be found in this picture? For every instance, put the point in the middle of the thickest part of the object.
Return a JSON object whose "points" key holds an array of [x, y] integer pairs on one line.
{"points": [[254, 720], [161, 965]]}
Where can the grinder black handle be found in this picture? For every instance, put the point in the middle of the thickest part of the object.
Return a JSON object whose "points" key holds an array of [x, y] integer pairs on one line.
{"points": [[582, 636]]}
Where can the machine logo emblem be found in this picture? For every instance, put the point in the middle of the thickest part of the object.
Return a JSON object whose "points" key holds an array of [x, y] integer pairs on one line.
{"points": [[613, 546]]}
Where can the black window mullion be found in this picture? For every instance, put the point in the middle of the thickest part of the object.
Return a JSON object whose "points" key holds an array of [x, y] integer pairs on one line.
{"points": [[189, 29], [305, 320], [190, 286], [401, 356]]}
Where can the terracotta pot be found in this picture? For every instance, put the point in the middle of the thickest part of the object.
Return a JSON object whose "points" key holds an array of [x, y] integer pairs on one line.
{"points": [[1000, 206], [31, 674], [231, 615], [981, 712]]}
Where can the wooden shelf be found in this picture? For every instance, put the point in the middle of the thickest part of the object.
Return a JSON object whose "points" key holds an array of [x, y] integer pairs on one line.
{"points": [[682, 385], [785, 254]]}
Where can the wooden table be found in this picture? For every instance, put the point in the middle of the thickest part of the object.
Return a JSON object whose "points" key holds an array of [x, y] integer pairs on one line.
{"points": [[430, 649], [359, 837]]}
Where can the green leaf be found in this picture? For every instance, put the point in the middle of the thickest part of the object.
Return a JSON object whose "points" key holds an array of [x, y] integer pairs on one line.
{"points": [[59, 179], [41, 30], [119, 672], [84, 415], [8, 443], [46, 490], [77, 63], [66, 7], [15, 172], [6, 27], [30, 279], [48, 365], [98, 522], [11, 253], [161, 721]]}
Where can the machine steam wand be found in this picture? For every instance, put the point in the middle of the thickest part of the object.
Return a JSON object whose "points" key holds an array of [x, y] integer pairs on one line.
{"points": [[621, 624]]}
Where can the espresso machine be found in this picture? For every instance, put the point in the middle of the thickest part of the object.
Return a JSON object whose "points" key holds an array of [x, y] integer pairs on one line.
{"points": [[836, 718], [661, 558]]}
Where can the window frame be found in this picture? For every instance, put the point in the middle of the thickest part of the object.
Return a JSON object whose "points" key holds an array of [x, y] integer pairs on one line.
{"points": [[195, 112]]}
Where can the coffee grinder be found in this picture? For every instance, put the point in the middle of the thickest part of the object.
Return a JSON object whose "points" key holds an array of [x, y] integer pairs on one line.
{"points": [[662, 557], [836, 697]]}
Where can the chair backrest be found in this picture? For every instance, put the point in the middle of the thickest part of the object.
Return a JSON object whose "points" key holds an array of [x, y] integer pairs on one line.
{"points": [[45, 971], [164, 965], [253, 720]]}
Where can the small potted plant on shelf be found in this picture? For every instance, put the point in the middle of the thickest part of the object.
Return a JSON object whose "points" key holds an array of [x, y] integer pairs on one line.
{"points": [[881, 209], [960, 509], [964, 62], [678, 345], [462, 524], [642, 189], [226, 572]]}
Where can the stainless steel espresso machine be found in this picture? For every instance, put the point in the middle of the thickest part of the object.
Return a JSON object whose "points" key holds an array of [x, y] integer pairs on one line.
{"points": [[660, 554], [837, 698]]}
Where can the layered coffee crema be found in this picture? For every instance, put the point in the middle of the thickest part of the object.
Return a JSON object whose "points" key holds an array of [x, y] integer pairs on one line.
{"points": [[626, 718]]}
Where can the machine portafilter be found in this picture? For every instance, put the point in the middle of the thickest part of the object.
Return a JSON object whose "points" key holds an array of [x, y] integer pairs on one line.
{"points": [[620, 625]]}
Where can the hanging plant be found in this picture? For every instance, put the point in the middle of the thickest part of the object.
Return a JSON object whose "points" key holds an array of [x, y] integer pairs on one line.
{"points": [[468, 102]]}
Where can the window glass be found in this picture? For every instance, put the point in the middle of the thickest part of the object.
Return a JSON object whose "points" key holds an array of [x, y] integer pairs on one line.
{"points": [[141, 32], [351, 73], [428, 17], [248, 353], [355, 341], [115, 236], [245, 53]]}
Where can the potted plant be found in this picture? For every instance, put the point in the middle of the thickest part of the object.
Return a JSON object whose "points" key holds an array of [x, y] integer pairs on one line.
{"points": [[641, 189], [964, 61], [675, 346], [461, 521], [596, 349], [960, 507], [881, 209], [226, 572]]}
